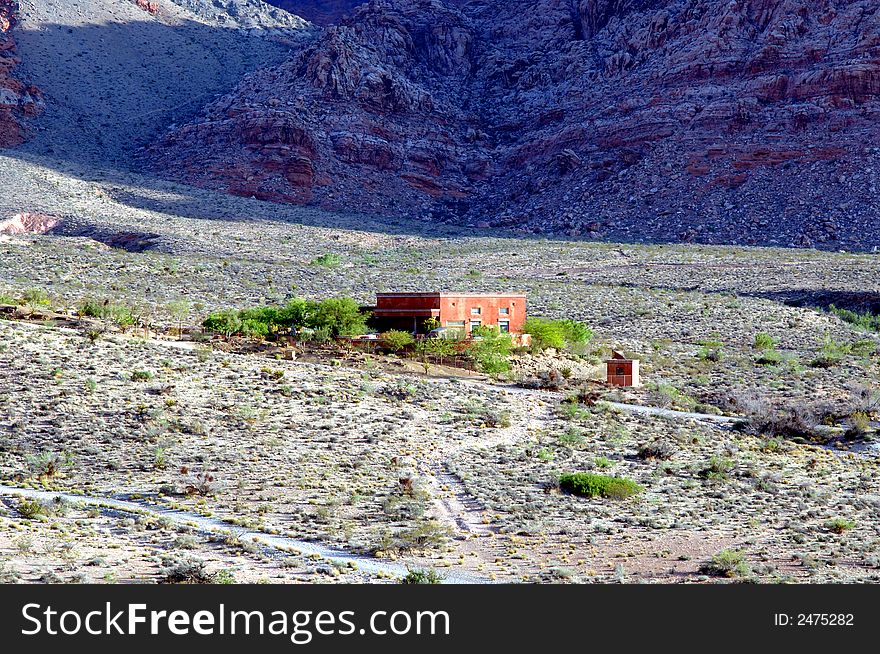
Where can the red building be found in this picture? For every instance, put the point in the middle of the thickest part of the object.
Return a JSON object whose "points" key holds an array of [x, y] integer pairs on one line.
{"points": [[623, 371], [464, 311]]}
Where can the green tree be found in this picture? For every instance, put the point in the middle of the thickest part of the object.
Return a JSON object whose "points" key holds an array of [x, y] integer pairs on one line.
{"points": [[226, 322], [398, 340], [545, 333], [179, 310], [341, 316]]}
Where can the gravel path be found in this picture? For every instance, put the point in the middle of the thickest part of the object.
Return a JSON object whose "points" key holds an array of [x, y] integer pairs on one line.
{"points": [[214, 526]]}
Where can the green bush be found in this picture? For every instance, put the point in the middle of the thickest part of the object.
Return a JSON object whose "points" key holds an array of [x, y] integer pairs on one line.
{"points": [[341, 316], [727, 563], [226, 322], [329, 260], [30, 509], [840, 525], [91, 308], [545, 333], [769, 357], [490, 349], [398, 340], [587, 484], [421, 576], [252, 328], [867, 320], [36, 297], [557, 334], [764, 341]]}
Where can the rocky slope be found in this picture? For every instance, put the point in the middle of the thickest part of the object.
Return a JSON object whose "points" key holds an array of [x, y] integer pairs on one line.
{"points": [[744, 121], [116, 73], [320, 12], [17, 100]]}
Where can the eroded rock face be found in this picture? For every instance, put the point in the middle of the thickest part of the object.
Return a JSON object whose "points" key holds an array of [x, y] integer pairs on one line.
{"points": [[29, 223], [320, 12], [16, 100], [750, 121]]}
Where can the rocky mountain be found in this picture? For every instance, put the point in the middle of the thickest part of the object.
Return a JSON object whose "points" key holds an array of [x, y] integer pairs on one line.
{"points": [[17, 100], [115, 74], [748, 121], [320, 12]]}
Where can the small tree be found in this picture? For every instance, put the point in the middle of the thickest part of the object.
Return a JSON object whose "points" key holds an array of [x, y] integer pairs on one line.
{"points": [[179, 310], [441, 348], [545, 333], [398, 340], [224, 322]]}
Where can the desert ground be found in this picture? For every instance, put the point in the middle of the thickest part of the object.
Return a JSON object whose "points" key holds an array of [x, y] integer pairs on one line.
{"points": [[367, 456]]}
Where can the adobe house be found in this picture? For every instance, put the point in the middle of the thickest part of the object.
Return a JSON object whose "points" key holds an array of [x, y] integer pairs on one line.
{"points": [[623, 371], [464, 311]]}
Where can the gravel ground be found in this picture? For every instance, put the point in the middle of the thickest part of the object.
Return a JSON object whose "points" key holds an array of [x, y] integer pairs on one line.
{"points": [[319, 452]]}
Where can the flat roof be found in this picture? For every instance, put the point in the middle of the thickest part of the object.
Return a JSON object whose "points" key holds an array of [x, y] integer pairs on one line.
{"points": [[446, 294]]}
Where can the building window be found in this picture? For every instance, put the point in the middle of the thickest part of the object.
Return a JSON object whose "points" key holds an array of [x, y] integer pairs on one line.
{"points": [[476, 311], [475, 324], [504, 326], [455, 324], [504, 311]]}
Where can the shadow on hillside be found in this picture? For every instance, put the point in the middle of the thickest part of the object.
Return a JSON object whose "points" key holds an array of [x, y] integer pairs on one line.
{"points": [[858, 301], [143, 77]]}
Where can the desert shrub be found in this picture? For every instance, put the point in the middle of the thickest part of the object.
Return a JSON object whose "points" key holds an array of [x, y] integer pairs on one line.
{"points": [[30, 509], [551, 380], [830, 354], [763, 419], [494, 418], [571, 437], [199, 483], [718, 468], [91, 308], [398, 340], [328, 260], [49, 464], [121, 315], [141, 375], [667, 396], [866, 320], [840, 525], [422, 576], [864, 399], [859, 424], [657, 449], [185, 570], [36, 297], [764, 341], [713, 354], [428, 534], [769, 357], [586, 484], [727, 563], [8, 300]]}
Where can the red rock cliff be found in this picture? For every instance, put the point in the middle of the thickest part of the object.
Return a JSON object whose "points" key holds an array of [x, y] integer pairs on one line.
{"points": [[16, 100], [747, 121]]}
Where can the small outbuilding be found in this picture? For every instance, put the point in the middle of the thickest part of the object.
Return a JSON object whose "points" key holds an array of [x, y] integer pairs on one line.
{"points": [[622, 371]]}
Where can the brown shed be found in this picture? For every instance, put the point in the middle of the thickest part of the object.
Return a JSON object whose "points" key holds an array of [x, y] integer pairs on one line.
{"points": [[623, 371]]}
